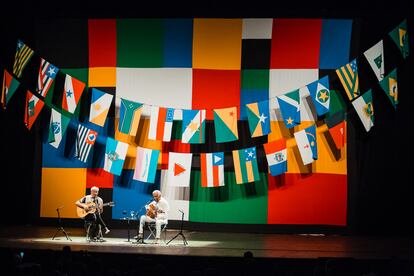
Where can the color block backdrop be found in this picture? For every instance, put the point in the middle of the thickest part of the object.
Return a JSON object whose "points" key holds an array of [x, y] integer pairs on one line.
{"points": [[199, 64]]}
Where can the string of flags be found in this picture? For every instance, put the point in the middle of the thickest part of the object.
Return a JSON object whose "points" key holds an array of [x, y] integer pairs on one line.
{"points": [[194, 121]]}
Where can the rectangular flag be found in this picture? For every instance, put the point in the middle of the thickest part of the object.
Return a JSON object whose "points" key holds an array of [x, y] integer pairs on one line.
{"points": [[72, 92], [390, 86], [225, 124], [115, 154], [375, 58], [21, 58], [337, 128], [258, 116], [57, 127], [100, 104], [146, 164], [10, 86], [306, 141], [320, 95], [212, 169], [289, 104], [85, 139], [179, 169], [276, 155], [400, 37], [129, 116], [365, 109], [348, 75], [47, 74], [245, 165], [161, 123], [33, 107], [194, 126]]}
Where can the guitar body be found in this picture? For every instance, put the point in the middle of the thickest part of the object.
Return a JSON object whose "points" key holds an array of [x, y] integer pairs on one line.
{"points": [[152, 211], [90, 209]]}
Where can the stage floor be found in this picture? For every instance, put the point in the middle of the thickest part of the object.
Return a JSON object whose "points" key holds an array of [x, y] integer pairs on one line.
{"points": [[215, 244]]}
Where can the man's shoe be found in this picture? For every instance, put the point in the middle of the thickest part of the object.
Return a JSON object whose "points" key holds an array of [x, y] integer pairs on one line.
{"points": [[107, 231], [157, 241]]}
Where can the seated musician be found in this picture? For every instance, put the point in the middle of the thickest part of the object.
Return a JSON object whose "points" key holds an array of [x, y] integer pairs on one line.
{"points": [[157, 212], [93, 206]]}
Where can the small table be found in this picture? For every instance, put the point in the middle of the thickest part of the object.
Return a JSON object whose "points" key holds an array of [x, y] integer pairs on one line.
{"points": [[128, 219]]}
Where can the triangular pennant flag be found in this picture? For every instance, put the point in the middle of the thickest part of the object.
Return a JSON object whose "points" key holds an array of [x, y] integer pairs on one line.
{"points": [[365, 109], [348, 74], [306, 142], [193, 127], [21, 58], [225, 124], [10, 86], [47, 74], [245, 165], [129, 116], [57, 128], [258, 116], [375, 57], [400, 36], [115, 154], [320, 95], [72, 92], [390, 85], [179, 169], [146, 164], [212, 169], [289, 104], [100, 104], [33, 107], [276, 155]]}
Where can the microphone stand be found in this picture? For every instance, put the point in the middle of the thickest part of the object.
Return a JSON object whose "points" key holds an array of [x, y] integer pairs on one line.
{"points": [[60, 227], [181, 231]]}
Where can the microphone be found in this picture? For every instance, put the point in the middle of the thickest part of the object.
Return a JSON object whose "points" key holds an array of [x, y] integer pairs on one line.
{"points": [[181, 211]]}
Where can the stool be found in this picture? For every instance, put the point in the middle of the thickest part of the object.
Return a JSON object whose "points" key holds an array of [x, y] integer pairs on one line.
{"points": [[151, 226]]}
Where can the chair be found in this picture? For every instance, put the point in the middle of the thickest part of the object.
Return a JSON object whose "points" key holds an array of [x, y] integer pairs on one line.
{"points": [[93, 231], [152, 230]]}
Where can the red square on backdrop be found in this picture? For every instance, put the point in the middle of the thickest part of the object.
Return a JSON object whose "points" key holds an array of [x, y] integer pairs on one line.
{"points": [[102, 42], [213, 89], [295, 43], [99, 178]]}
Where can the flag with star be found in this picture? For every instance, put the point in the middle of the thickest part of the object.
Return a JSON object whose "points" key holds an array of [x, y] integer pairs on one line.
{"points": [[306, 142], [47, 74], [289, 104], [348, 75], [194, 126], [245, 165], [320, 95], [365, 109], [146, 164], [85, 140], [57, 127], [72, 92], [100, 104], [129, 116], [21, 58], [276, 155], [225, 124], [32, 110], [400, 36], [390, 85], [115, 154], [10, 85], [212, 169], [375, 58], [161, 122], [258, 116]]}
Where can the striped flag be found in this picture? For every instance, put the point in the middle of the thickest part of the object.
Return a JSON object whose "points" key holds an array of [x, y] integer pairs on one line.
{"points": [[245, 165], [212, 169], [306, 142], [85, 139], [71, 93], [146, 164], [276, 155], [161, 123], [10, 86], [21, 58], [290, 108], [193, 127], [115, 154], [100, 104], [129, 116], [348, 74], [47, 74], [33, 107], [57, 127]]}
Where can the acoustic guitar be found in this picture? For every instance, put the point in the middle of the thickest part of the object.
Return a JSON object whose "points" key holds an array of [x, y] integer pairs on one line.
{"points": [[90, 208], [152, 211]]}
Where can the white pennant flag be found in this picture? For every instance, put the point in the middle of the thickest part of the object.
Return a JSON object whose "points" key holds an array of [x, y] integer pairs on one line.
{"points": [[375, 57]]}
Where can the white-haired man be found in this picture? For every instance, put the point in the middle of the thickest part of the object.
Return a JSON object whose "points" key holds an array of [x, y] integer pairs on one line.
{"points": [[93, 206], [157, 211]]}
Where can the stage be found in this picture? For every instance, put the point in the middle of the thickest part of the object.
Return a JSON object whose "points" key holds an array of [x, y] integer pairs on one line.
{"points": [[289, 246]]}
